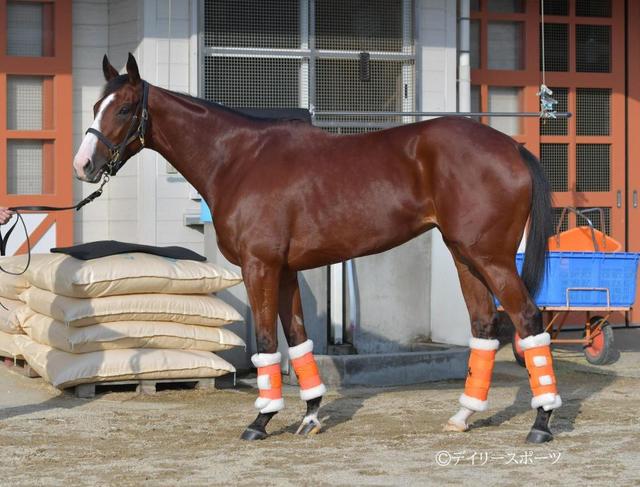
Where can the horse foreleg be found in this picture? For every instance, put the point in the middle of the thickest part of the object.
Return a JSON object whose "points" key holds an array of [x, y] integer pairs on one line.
{"points": [[483, 345], [300, 352], [262, 281]]}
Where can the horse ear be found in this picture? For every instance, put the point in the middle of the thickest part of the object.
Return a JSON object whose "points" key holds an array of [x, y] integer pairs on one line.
{"points": [[132, 70], [109, 71]]}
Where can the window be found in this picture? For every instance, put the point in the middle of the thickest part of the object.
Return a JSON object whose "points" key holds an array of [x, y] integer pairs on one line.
{"points": [[505, 99], [29, 29], [593, 164], [299, 53], [505, 45], [556, 47], [593, 48]]}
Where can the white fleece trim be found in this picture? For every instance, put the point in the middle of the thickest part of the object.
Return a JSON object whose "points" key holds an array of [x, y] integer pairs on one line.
{"points": [[483, 344], [317, 391], [556, 404], [264, 381], [539, 360], [461, 418], [548, 401], [266, 405], [300, 350], [473, 403], [545, 380], [265, 359], [533, 341]]}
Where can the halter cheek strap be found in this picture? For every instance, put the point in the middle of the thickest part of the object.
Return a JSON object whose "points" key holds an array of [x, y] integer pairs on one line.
{"points": [[136, 131]]}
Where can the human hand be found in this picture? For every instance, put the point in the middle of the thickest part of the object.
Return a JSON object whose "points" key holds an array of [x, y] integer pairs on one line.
{"points": [[5, 215]]}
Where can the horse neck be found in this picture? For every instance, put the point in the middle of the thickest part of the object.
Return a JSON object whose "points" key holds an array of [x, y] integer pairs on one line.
{"points": [[189, 135]]}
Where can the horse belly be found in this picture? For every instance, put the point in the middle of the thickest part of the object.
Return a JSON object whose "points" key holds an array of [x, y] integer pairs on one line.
{"points": [[350, 239]]}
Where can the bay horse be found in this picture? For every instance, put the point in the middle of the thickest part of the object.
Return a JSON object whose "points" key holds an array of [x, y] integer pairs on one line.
{"points": [[287, 196]]}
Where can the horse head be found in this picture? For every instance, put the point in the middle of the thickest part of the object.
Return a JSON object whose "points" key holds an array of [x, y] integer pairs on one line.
{"points": [[118, 129]]}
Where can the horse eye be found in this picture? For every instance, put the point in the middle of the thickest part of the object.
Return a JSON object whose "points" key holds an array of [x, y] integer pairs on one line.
{"points": [[124, 110]]}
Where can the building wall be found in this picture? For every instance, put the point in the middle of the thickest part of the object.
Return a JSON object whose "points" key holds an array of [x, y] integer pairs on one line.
{"points": [[436, 64], [146, 202]]}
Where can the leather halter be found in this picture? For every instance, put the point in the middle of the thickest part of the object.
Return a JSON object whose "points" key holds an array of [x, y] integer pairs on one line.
{"points": [[116, 152]]}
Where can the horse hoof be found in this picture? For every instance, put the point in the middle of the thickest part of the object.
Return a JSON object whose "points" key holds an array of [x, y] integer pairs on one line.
{"points": [[457, 427], [251, 434], [309, 429], [539, 436]]}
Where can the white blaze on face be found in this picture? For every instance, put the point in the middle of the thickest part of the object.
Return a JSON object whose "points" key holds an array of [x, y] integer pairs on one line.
{"points": [[88, 147]]}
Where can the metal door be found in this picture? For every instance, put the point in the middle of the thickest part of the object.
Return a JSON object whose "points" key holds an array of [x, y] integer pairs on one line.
{"points": [[584, 61]]}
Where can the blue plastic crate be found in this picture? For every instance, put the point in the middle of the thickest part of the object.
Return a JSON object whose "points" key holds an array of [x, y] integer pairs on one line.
{"points": [[614, 271]]}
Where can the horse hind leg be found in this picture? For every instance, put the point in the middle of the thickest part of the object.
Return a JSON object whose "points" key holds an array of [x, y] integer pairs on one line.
{"points": [[300, 352], [483, 345], [502, 277]]}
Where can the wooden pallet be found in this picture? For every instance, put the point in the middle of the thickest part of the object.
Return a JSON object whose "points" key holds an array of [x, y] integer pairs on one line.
{"points": [[140, 386], [19, 366]]}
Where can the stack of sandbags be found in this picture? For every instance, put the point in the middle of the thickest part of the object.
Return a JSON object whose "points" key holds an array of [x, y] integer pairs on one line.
{"points": [[11, 286], [126, 316]]}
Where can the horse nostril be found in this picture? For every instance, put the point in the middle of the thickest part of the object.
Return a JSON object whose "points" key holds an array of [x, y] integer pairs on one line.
{"points": [[89, 167]]}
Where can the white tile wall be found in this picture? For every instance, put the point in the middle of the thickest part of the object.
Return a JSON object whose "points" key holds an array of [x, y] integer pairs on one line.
{"points": [[142, 194], [436, 63]]}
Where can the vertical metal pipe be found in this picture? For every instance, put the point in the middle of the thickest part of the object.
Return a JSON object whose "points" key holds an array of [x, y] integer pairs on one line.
{"points": [[336, 312], [464, 64], [350, 332]]}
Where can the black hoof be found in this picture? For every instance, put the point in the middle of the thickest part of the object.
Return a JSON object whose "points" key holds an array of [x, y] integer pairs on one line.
{"points": [[539, 436], [251, 434]]}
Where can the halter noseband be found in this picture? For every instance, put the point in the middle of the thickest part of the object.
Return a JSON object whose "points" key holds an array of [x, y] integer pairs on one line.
{"points": [[117, 151]]}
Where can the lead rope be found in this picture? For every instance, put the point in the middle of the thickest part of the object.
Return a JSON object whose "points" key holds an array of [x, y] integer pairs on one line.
{"points": [[547, 109], [17, 209]]}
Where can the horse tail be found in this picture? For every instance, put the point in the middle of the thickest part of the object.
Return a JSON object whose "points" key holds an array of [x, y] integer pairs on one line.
{"points": [[540, 225]]}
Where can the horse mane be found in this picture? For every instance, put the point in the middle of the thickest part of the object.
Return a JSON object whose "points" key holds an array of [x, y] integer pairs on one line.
{"points": [[119, 81]]}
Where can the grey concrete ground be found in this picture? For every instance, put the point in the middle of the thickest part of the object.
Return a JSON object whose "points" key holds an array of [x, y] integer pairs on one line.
{"points": [[373, 436]]}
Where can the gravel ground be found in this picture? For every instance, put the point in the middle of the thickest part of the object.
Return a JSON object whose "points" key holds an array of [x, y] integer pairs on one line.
{"points": [[373, 436]]}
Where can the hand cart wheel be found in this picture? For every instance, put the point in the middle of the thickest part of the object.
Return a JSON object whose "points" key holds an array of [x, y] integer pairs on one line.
{"points": [[600, 351], [518, 353]]}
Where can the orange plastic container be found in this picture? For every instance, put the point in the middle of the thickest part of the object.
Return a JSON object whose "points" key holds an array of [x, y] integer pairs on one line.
{"points": [[581, 239]]}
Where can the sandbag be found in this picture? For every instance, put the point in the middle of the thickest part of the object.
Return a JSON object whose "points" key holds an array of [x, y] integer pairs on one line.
{"points": [[9, 322], [11, 286], [62, 369], [127, 334], [204, 310], [131, 273], [8, 346]]}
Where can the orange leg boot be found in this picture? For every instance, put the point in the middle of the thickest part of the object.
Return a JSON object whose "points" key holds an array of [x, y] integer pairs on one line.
{"points": [[537, 358], [311, 387], [476, 388], [269, 382]]}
